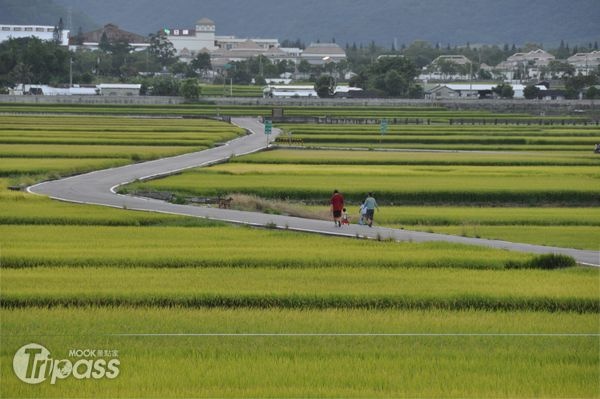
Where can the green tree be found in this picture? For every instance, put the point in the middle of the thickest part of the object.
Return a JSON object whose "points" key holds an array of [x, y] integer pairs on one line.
{"points": [[531, 92], [201, 63], [397, 84], [163, 86], [394, 84], [104, 44], [592, 93], [304, 67], [190, 89], [46, 61], [21, 73], [162, 49], [560, 69], [325, 86], [504, 90]]}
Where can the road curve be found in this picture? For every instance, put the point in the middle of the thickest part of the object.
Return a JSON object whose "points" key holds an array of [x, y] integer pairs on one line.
{"points": [[99, 188]]}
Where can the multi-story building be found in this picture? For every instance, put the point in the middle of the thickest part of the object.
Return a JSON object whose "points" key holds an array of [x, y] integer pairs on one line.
{"points": [[192, 41]]}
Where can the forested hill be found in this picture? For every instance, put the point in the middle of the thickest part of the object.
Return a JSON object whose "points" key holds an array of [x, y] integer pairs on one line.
{"points": [[443, 21]]}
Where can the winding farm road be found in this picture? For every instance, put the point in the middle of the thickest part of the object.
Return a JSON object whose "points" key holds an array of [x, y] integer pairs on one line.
{"points": [[99, 188]]}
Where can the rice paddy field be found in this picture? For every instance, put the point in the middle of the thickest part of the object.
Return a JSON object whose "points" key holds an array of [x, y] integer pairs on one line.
{"points": [[197, 308]]}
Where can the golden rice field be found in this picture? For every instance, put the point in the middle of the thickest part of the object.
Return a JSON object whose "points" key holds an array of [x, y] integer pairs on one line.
{"points": [[198, 308]]}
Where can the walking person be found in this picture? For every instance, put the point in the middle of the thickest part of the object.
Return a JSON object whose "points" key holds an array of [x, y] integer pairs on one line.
{"points": [[337, 205], [362, 215], [370, 204]]}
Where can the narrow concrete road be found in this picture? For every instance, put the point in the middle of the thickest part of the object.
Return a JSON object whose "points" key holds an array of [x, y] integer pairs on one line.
{"points": [[99, 188]]}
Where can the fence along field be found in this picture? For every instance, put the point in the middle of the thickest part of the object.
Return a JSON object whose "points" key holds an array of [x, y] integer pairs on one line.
{"points": [[72, 272]]}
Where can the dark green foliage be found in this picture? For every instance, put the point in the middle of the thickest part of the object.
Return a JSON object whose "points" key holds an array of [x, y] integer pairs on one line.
{"points": [[531, 92], [393, 75], [504, 90], [548, 262], [325, 86], [291, 301], [162, 48], [30, 60], [190, 89]]}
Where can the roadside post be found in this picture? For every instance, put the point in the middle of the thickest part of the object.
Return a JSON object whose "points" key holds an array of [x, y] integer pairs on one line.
{"points": [[268, 129]]}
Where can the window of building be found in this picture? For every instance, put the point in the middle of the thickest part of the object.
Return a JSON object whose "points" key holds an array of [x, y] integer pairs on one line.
{"points": [[50, 30], [28, 29], [39, 29], [5, 28], [17, 29]]}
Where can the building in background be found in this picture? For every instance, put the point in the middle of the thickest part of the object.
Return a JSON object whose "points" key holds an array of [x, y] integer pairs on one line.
{"points": [[524, 66], [585, 63], [323, 53], [191, 41], [112, 33], [42, 32]]}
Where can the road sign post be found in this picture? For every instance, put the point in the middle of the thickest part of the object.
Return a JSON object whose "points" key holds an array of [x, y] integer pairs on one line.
{"points": [[268, 129]]}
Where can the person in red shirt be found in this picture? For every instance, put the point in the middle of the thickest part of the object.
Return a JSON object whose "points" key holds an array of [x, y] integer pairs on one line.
{"points": [[337, 205]]}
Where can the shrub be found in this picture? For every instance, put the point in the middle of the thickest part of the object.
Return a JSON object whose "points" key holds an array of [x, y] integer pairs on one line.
{"points": [[546, 261]]}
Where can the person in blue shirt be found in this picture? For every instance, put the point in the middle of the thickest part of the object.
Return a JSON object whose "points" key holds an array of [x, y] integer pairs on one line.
{"points": [[370, 204]]}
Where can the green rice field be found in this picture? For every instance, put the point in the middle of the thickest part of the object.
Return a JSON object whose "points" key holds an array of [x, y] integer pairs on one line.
{"points": [[448, 137], [199, 308], [33, 148]]}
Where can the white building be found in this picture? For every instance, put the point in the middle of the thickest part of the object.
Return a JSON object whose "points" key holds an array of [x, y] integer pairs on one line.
{"points": [[289, 91], [584, 63], [526, 65], [119, 89], [232, 42], [42, 32], [192, 41], [45, 90]]}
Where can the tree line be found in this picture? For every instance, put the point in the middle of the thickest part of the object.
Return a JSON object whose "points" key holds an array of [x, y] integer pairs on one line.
{"points": [[382, 71]]}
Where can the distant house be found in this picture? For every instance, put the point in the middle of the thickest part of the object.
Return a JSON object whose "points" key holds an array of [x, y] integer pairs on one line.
{"points": [[441, 92], [447, 67], [584, 63], [524, 65], [551, 95], [323, 53], [91, 40]]}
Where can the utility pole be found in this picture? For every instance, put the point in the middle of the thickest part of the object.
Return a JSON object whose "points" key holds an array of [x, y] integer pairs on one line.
{"points": [[70, 72]]}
